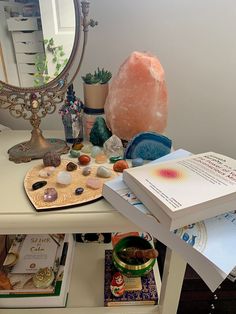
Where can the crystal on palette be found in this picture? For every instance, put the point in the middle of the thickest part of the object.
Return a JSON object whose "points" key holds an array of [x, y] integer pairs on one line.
{"points": [[64, 178], [113, 147]]}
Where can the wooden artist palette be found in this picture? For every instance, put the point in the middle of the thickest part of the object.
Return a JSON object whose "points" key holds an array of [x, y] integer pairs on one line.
{"points": [[66, 193]]}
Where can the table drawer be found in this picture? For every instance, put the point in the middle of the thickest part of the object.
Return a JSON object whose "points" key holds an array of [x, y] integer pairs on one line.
{"points": [[29, 47], [27, 36], [27, 79], [28, 57], [26, 68], [23, 24]]}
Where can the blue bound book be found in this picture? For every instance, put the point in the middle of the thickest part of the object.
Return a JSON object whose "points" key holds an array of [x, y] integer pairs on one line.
{"points": [[146, 296]]}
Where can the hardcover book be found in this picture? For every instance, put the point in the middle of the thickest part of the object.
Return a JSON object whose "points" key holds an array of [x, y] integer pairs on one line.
{"points": [[146, 296], [187, 190], [206, 245]]}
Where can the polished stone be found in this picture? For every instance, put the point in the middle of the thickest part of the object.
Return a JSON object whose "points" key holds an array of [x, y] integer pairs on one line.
{"points": [[77, 146], [86, 171], [120, 165], [38, 185], [46, 171], [94, 183], [52, 159], [95, 151], [50, 195], [86, 149], [101, 158], [74, 153], [64, 178], [113, 159], [71, 166], [136, 162], [84, 160], [79, 191], [103, 172]]}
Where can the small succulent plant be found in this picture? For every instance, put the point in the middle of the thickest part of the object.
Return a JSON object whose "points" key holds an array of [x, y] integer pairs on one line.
{"points": [[98, 77]]}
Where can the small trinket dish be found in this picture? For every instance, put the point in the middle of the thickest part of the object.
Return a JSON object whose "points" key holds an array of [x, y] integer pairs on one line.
{"points": [[43, 278]]}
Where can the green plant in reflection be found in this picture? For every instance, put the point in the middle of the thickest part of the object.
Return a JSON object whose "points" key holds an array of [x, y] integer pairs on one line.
{"points": [[100, 76], [41, 64]]}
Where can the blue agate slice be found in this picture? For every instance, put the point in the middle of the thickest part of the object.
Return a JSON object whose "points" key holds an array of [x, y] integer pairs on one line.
{"points": [[148, 146]]}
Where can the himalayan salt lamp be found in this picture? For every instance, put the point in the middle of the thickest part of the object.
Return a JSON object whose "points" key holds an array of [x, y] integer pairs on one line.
{"points": [[137, 98]]}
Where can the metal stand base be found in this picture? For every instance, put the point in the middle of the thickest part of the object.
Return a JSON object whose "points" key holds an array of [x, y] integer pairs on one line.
{"points": [[36, 148]]}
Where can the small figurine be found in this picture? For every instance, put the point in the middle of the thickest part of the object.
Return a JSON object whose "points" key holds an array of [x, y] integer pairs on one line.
{"points": [[72, 116], [117, 285]]}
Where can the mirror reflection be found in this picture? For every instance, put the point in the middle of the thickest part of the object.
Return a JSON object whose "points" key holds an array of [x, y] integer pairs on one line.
{"points": [[36, 40]]}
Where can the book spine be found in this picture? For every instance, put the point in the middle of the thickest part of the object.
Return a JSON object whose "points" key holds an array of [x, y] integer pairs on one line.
{"points": [[127, 303]]}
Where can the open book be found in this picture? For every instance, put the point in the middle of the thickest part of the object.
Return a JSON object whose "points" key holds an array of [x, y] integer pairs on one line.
{"points": [[206, 245], [187, 190]]}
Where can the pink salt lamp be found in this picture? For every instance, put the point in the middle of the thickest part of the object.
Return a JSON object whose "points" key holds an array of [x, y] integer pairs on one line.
{"points": [[137, 97]]}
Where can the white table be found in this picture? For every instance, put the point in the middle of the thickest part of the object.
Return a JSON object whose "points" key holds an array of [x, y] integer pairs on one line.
{"points": [[17, 215]]}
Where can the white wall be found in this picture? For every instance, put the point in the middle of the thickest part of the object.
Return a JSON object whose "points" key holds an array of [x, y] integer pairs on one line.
{"points": [[196, 44]]}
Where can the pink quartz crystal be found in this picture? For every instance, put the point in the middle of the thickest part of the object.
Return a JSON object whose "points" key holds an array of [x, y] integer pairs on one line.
{"points": [[137, 98]]}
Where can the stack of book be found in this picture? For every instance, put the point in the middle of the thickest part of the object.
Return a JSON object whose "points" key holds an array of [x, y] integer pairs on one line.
{"points": [[27, 256], [188, 203]]}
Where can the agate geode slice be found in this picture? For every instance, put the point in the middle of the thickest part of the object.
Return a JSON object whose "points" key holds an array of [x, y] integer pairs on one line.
{"points": [[148, 146]]}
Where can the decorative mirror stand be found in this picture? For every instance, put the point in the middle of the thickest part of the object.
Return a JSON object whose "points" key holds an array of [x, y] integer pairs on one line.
{"points": [[33, 104]]}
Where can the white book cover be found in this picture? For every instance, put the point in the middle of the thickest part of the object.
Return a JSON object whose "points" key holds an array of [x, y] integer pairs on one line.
{"points": [[205, 245], [36, 251], [188, 189]]}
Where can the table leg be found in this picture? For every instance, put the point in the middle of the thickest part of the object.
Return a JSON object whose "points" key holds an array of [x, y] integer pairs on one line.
{"points": [[172, 280]]}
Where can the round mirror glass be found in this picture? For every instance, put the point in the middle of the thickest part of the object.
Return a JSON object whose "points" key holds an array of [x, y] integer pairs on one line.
{"points": [[36, 40]]}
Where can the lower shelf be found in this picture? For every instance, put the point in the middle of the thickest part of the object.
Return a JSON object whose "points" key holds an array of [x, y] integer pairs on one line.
{"points": [[86, 289], [94, 310]]}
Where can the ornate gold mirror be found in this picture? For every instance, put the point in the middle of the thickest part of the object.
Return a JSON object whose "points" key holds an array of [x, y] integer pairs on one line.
{"points": [[39, 59]]}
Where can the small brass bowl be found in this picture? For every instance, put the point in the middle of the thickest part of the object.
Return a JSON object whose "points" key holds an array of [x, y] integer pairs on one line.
{"points": [[132, 267]]}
